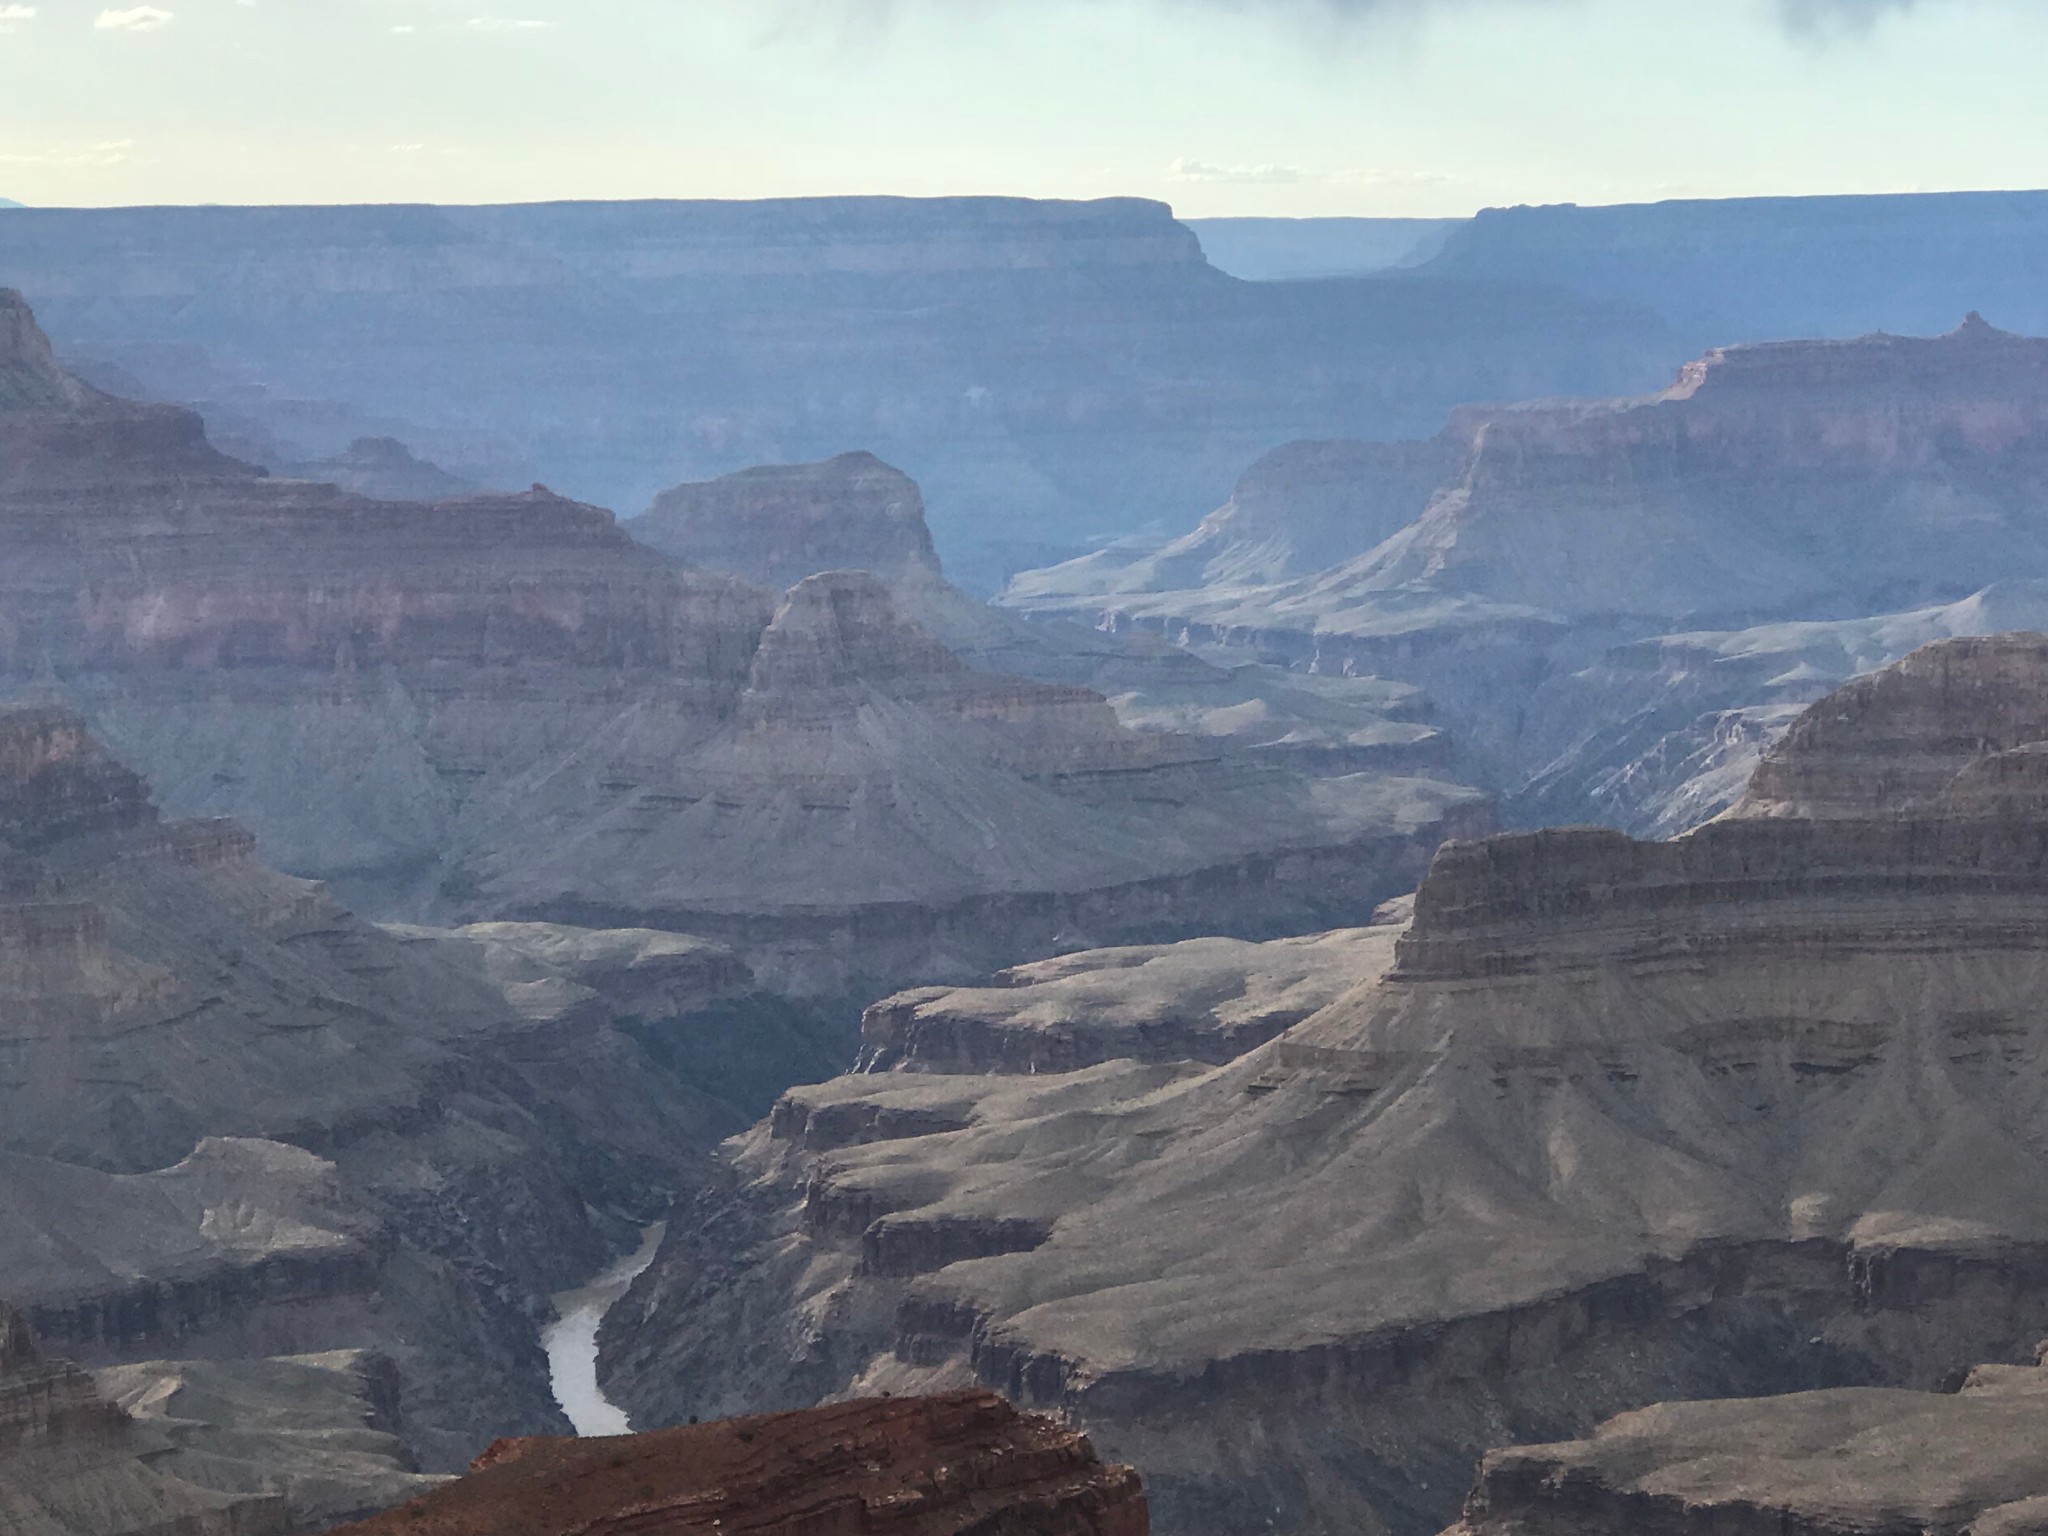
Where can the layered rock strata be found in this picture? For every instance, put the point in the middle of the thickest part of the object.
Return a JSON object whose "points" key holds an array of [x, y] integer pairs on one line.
{"points": [[72, 1464], [1581, 570], [780, 523], [503, 707], [235, 1121], [1752, 1111], [1049, 370], [939, 1466], [325, 1431], [1811, 1462], [1200, 1000]]}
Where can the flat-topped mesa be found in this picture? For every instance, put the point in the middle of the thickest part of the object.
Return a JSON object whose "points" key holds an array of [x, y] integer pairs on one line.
{"points": [[1875, 402], [1927, 779], [935, 1466], [777, 524]]}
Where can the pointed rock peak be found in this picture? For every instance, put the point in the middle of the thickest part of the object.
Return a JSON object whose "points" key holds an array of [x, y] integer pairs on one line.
{"points": [[29, 376], [842, 627], [1976, 328]]}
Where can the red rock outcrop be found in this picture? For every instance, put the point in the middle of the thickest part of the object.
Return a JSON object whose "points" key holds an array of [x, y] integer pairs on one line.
{"points": [[940, 1466]]}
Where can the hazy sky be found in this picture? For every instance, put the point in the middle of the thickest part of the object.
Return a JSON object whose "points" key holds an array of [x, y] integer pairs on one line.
{"points": [[1219, 106]]}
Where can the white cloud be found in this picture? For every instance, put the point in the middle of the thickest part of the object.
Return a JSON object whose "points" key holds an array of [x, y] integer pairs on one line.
{"points": [[111, 152], [1262, 175], [1185, 170], [141, 18], [12, 16]]}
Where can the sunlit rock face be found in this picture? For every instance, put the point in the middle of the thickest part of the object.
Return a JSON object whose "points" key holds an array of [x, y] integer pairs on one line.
{"points": [[1604, 1123]]}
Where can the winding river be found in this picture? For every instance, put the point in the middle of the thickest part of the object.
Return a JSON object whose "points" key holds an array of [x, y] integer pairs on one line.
{"points": [[571, 1341]]}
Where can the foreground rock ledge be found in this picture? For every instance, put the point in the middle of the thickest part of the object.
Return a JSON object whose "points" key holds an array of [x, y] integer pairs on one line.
{"points": [[932, 1466]]}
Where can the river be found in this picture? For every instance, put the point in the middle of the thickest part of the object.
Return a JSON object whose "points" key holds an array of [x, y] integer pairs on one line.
{"points": [[571, 1341]]}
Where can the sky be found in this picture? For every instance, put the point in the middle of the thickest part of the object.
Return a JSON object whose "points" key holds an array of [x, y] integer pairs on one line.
{"points": [[1221, 107]]}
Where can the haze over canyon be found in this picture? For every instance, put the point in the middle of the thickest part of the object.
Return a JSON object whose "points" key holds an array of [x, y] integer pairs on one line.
{"points": [[978, 865]]}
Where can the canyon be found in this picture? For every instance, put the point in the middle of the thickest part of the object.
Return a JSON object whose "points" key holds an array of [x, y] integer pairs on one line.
{"points": [[237, 1122], [1614, 605], [502, 706], [434, 915], [1054, 373], [1050, 371], [1602, 1123]]}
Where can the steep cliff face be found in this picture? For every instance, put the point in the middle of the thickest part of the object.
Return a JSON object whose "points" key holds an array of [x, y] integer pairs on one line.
{"points": [[781, 523], [1534, 593], [1811, 1462], [1755, 1110], [502, 706], [938, 1466], [1048, 370]]}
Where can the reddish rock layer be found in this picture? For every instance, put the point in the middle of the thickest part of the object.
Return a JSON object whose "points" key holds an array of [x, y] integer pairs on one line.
{"points": [[966, 1461]]}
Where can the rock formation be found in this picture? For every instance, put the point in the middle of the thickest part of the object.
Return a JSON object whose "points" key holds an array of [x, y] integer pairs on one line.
{"points": [[1887, 1462], [1758, 1109], [383, 469], [1576, 555], [781, 523], [939, 1466], [777, 524], [236, 1121], [72, 1464], [502, 706], [322, 1430], [1049, 370]]}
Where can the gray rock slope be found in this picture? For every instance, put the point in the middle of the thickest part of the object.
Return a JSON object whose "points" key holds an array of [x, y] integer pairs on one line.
{"points": [[1607, 1123], [503, 707], [236, 1121], [1613, 604]]}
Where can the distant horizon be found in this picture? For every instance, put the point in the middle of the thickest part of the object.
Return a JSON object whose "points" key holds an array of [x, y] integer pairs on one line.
{"points": [[1222, 108], [967, 197]]}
